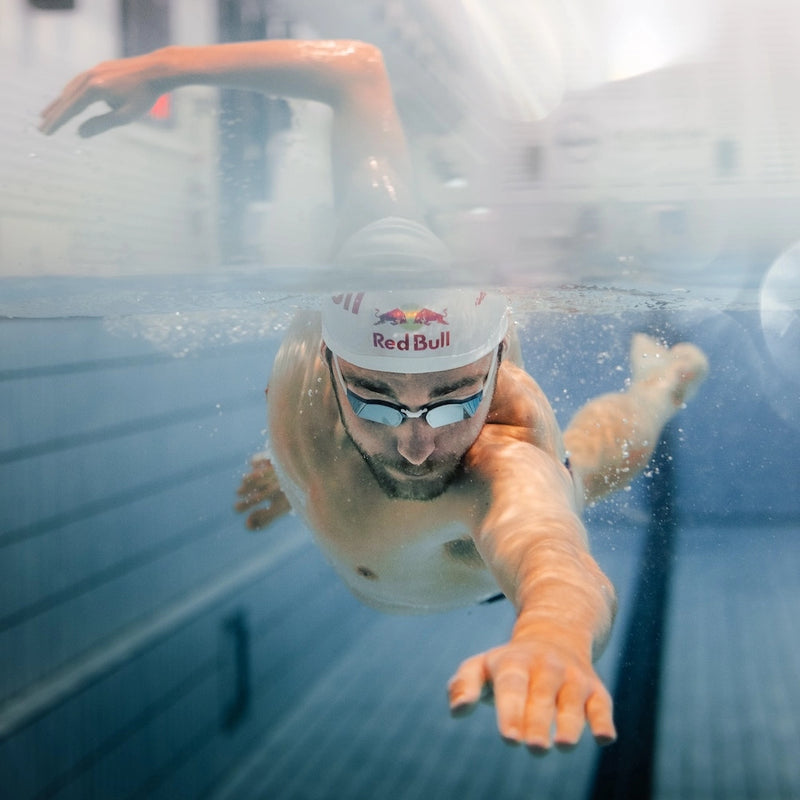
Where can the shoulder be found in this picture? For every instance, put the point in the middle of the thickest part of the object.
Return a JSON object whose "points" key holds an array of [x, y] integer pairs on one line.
{"points": [[521, 411], [301, 408], [520, 451], [298, 365]]}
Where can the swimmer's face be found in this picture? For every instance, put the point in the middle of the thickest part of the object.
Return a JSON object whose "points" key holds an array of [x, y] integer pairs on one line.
{"points": [[414, 461]]}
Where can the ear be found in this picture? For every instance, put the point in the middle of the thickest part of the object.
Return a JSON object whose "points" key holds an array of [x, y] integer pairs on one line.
{"points": [[501, 351]]}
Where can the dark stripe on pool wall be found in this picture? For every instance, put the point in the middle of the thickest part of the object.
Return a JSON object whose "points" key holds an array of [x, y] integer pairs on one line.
{"points": [[180, 416], [625, 769]]}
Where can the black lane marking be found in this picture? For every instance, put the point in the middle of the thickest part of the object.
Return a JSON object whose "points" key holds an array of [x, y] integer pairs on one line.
{"points": [[624, 771]]}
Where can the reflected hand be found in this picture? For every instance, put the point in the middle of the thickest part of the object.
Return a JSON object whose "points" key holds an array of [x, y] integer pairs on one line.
{"points": [[129, 86], [261, 486], [535, 686]]}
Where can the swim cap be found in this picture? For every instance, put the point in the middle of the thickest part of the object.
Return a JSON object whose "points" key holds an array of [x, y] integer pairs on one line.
{"points": [[414, 330], [393, 245]]}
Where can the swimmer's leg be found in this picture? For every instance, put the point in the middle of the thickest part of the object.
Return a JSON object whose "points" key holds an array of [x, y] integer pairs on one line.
{"points": [[611, 439], [261, 485]]}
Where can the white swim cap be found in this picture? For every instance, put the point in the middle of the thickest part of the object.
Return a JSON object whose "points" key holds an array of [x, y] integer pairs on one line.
{"points": [[414, 330], [393, 246]]}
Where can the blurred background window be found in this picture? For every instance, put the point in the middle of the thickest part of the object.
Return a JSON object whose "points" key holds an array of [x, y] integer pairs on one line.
{"points": [[145, 25]]}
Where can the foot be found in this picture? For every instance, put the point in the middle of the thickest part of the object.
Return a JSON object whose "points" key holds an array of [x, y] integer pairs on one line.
{"points": [[682, 367], [689, 370]]}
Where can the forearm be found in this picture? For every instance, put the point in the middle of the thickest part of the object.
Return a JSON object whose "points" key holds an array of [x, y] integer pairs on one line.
{"points": [[564, 597], [536, 546], [316, 70]]}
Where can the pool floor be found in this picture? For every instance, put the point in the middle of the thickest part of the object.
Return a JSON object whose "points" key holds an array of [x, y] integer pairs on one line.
{"points": [[153, 647]]}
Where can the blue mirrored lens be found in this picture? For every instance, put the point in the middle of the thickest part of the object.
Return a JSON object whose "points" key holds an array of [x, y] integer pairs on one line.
{"points": [[374, 411], [448, 413]]}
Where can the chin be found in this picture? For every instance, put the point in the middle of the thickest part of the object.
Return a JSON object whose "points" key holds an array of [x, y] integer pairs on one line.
{"points": [[411, 488], [416, 490]]}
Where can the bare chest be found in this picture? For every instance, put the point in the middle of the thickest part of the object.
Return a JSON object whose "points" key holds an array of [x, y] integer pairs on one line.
{"points": [[401, 556]]}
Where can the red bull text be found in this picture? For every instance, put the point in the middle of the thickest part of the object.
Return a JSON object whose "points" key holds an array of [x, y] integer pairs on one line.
{"points": [[413, 342]]}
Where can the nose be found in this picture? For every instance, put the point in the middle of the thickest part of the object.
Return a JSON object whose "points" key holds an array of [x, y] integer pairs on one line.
{"points": [[416, 441]]}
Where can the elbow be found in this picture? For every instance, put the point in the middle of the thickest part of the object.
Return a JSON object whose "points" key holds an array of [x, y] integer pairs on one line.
{"points": [[355, 55], [365, 52]]}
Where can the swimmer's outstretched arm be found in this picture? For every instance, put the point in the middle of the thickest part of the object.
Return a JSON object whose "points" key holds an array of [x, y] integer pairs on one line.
{"points": [[534, 542], [349, 76]]}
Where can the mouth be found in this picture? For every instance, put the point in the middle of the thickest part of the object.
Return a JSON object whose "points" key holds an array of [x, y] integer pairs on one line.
{"points": [[413, 472], [412, 481]]}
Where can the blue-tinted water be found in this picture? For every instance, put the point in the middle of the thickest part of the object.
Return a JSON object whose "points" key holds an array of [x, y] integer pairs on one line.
{"points": [[153, 647]]}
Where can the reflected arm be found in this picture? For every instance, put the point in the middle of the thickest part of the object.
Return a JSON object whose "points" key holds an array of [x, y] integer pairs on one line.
{"points": [[369, 145]]}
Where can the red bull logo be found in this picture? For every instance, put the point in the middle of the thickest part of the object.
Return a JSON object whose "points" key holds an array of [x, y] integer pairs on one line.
{"points": [[425, 317], [394, 317], [412, 320], [416, 317]]}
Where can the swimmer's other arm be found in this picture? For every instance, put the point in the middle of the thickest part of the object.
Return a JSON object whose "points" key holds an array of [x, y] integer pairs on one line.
{"points": [[536, 546], [349, 76], [260, 487]]}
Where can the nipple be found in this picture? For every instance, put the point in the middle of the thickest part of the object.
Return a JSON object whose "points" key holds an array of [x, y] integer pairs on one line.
{"points": [[366, 572]]}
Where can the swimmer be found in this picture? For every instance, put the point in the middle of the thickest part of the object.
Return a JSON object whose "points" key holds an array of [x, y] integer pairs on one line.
{"points": [[403, 429]]}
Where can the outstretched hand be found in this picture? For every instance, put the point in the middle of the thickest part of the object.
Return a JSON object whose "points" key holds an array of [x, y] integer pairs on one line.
{"points": [[537, 688], [129, 86], [260, 485]]}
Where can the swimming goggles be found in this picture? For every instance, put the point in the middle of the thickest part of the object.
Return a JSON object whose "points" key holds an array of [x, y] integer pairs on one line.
{"points": [[437, 415]]}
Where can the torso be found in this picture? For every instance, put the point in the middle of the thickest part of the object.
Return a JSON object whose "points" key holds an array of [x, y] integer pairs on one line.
{"points": [[395, 555]]}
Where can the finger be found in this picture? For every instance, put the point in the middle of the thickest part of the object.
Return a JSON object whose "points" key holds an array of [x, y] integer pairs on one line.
{"points": [[252, 493], [74, 99], [264, 472], [249, 482], [547, 681], [256, 486], [540, 711], [511, 688], [600, 713], [112, 119], [251, 497], [245, 505], [466, 687], [266, 480], [570, 716], [263, 517]]}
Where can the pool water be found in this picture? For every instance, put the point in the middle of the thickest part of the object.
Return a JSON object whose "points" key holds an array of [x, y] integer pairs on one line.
{"points": [[154, 647]]}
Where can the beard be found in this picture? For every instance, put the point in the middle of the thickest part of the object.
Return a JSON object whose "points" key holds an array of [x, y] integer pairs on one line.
{"points": [[404, 481], [401, 480]]}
